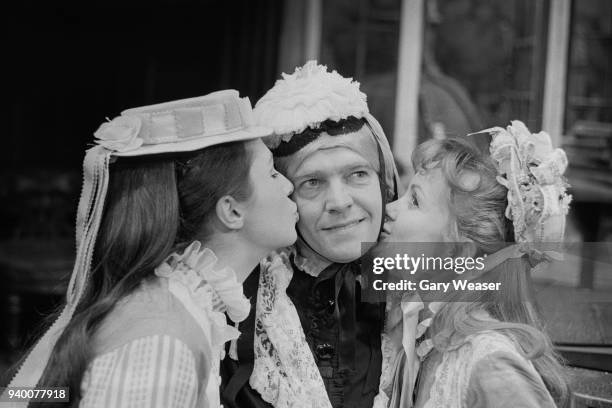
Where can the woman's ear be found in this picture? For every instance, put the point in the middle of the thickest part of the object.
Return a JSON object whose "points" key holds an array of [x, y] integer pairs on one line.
{"points": [[469, 180], [230, 212]]}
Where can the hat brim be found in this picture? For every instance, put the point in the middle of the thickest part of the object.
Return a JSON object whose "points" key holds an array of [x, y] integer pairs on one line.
{"points": [[197, 143]]}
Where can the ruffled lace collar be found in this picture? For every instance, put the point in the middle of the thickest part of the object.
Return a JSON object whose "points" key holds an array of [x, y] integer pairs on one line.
{"points": [[196, 267], [284, 370], [307, 260]]}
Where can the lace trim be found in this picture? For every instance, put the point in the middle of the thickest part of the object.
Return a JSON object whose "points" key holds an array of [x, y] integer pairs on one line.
{"points": [[206, 293], [284, 372], [195, 268], [307, 98], [532, 170], [452, 375], [313, 265]]}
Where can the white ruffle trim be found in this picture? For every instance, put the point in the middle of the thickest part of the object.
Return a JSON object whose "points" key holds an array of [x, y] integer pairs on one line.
{"points": [[306, 98], [207, 294], [197, 265]]}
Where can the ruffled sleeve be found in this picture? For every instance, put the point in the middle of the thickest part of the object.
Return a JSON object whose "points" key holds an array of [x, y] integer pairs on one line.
{"points": [[153, 371], [207, 292]]}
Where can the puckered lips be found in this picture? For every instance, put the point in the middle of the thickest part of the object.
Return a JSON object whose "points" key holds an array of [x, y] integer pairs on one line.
{"points": [[386, 231]]}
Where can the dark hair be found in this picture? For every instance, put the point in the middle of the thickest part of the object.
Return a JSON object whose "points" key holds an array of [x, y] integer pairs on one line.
{"points": [[154, 204], [310, 134], [206, 177], [479, 214]]}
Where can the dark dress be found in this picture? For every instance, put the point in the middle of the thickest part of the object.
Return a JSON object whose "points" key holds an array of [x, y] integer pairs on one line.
{"points": [[343, 333]]}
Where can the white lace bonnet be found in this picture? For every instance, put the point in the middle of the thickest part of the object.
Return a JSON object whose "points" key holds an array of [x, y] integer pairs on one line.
{"points": [[177, 126], [309, 97]]}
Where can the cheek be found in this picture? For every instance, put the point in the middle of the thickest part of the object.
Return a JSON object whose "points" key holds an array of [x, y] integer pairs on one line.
{"points": [[308, 212], [371, 201], [274, 193], [440, 227], [413, 225], [426, 227], [270, 201], [406, 224]]}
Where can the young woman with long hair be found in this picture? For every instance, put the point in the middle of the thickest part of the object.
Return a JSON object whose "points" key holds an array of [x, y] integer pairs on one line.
{"points": [[485, 349], [184, 215]]}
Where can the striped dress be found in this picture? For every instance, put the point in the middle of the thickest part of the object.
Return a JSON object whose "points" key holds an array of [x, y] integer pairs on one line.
{"points": [[162, 345]]}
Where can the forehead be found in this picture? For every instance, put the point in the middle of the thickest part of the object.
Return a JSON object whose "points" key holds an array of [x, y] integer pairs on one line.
{"points": [[357, 147], [329, 161]]}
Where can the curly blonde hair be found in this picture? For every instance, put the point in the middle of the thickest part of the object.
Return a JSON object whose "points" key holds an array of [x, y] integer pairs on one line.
{"points": [[478, 211]]}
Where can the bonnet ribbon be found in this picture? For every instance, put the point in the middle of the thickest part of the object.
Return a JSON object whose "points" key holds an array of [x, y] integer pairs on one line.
{"points": [[513, 251], [391, 175], [344, 277], [89, 216]]}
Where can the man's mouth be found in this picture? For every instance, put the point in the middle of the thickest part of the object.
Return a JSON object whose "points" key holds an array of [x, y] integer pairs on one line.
{"points": [[343, 225]]}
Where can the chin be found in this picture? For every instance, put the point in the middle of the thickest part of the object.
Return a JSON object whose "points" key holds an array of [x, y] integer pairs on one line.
{"points": [[348, 251], [291, 237], [344, 255]]}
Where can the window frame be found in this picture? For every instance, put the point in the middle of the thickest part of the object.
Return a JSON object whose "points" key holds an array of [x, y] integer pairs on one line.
{"points": [[409, 68]]}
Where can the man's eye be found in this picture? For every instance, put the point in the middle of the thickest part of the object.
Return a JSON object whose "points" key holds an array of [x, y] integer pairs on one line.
{"points": [[359, 176], [275, 174], [311, 183]]}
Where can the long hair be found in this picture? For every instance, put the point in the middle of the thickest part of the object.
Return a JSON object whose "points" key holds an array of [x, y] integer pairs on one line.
{"points": [[479, 214], [154, 205]]}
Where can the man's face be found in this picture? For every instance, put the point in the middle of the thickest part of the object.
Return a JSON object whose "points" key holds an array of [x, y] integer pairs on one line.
{"points": [[337, 192]]}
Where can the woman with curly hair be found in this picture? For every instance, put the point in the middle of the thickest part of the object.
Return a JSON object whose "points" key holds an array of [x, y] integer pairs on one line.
{"points": [[484, 349]]}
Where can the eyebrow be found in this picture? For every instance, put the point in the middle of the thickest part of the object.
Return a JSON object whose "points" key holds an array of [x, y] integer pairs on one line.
{"points": [[312, 174], [342, 169]]}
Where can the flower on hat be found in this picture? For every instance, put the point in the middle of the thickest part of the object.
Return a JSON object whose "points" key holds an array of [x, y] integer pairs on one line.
{"points": [[306, 98], [120, 134], [532, 171]]}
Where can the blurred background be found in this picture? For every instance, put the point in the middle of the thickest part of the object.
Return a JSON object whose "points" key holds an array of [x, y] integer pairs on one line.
{"points": [[430, 68]]}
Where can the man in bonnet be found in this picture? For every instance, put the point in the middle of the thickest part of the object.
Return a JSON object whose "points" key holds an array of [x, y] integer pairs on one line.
{"points": [[310, 341]]}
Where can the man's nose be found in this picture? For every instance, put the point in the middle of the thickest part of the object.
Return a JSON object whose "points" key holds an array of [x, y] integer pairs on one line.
{"points": [[338, 197]]}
